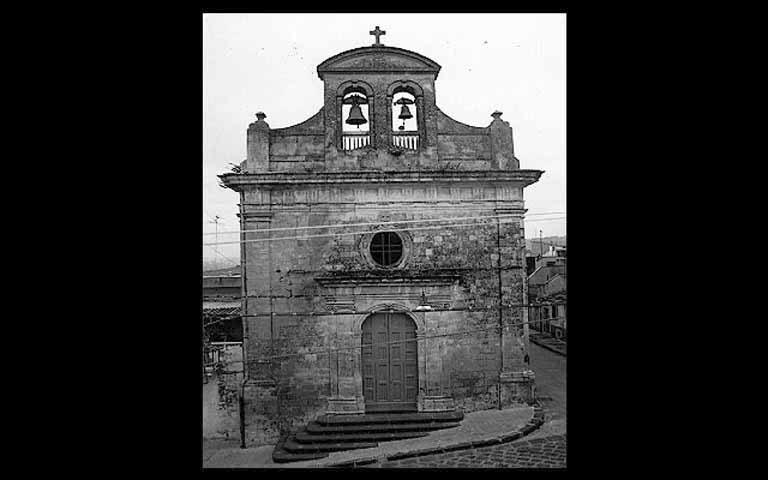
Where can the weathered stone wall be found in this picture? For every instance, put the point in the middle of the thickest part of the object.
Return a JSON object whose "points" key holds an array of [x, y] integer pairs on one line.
{"points": [[306, 298], [294, 148], [379, 107], [462, 146], [315, 144], [221, 405], [309, 318], [298, 147]]}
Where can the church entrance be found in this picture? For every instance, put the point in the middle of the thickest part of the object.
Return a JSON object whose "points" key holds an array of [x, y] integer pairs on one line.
{"points": [[390, 370]]}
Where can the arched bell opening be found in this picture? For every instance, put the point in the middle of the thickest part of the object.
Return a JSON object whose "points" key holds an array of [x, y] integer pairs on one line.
{"points": [[389, 362], [356, 103], [405, 114]]}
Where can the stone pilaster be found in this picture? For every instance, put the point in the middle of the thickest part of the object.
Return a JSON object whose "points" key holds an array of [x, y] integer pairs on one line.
{"points": [[347, 394], [515, 379], [260, 388]]}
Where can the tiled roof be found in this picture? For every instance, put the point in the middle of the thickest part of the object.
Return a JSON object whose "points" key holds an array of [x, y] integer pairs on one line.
{"points": [[227, 307], [557, 297]]}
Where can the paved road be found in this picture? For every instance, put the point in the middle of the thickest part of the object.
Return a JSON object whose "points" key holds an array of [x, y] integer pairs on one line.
{"points": [[547, 452], [544, 448], [550, 379]]}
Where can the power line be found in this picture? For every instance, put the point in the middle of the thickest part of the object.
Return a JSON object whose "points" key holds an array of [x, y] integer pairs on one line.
{"points": [[436, 310], [222, 255], [303, 337], [394, 222], [371, 345], [448, 225], [425, 337], [335, 314]]}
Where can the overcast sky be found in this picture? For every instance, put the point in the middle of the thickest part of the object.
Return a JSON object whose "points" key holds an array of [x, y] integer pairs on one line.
{"points": [[514, 63]]}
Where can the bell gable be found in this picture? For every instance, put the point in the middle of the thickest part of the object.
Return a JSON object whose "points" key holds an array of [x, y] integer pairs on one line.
{"points": [[379, 113]]}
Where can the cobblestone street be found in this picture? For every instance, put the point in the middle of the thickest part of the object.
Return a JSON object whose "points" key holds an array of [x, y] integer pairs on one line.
{"points": [[546, 452], [544, 448]]}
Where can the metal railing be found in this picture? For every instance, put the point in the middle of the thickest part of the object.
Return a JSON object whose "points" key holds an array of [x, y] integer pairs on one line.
{"points": [[355, 140], [407, 141]]}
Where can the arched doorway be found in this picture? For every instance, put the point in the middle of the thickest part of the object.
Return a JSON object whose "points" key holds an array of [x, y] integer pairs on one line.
{"points": [[389, 364]]}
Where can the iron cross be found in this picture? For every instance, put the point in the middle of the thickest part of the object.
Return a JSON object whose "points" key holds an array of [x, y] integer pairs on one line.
{"points": [[377, 33]]}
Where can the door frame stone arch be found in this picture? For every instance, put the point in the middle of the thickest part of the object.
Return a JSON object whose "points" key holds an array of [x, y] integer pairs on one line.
{"points": [[390, 307], [421, 331]]}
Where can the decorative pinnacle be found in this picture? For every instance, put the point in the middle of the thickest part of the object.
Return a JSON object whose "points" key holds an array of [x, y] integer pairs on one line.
{"points": [[261, 115], [497, 114]]}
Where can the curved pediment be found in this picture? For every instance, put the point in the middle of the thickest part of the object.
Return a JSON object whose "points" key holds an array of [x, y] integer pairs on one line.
{"points": [[378, 60], [447, 125]]}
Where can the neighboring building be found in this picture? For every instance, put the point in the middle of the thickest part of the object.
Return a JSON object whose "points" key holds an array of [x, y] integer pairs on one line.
{"points": [[547, 293], [549, 315], [221, 305], [554, 285], [380, 152], [538, 280], [222, 352], [530, 263], [556, 255], [552, 263]]}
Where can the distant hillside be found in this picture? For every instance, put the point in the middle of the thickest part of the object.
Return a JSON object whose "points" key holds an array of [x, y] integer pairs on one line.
{"points": [[532, 244]]}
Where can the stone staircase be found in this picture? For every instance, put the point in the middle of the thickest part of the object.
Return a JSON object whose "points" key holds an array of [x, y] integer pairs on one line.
{"points": [[333, 433]]}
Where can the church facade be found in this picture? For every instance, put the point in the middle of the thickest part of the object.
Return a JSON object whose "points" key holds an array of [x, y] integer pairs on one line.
{"points": [[383, 264]]}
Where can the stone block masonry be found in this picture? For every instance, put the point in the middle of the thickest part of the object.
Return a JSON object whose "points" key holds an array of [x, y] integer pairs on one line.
{"points": [[306, 299]]}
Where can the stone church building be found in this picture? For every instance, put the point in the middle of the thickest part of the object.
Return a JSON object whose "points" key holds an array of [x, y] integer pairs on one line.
{"points": [[383, 265]]}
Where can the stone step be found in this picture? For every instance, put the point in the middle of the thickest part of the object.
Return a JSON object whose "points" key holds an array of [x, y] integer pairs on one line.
{"points": [[293, 446], [334, 433], [281, 456], [379, 427], [309, 438], [374, 418]]}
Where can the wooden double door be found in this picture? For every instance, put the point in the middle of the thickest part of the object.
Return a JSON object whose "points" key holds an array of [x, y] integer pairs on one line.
{"points": [[390, 363]]}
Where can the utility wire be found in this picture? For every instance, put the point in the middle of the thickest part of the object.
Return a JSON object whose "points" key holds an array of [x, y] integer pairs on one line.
{"points": [[394, 222], [222, 255], [332, 314], [374, 231], [426, 337], [371, 345], [361, 232]]}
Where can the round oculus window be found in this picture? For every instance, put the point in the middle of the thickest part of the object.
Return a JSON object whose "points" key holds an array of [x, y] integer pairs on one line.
{"points": [[386, 248]]}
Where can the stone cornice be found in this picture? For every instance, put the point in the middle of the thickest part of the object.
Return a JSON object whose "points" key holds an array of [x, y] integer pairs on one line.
{"points": [[403, 277], [378, 59], [367, 177]]}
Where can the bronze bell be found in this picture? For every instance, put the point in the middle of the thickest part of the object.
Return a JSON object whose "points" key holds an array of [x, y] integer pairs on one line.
{"points": [[405, 113], [356, 114]]}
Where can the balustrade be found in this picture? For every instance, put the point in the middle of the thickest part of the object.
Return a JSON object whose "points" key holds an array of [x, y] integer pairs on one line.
{"points": [[353, 141], [407, 141]]}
